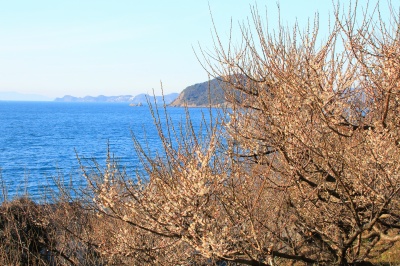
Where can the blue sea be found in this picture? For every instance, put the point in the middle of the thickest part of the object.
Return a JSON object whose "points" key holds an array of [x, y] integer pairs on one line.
{"points": [[40, 141]]}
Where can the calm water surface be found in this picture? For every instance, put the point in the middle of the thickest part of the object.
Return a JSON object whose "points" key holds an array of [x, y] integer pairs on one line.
{"points": [[40, 140]]}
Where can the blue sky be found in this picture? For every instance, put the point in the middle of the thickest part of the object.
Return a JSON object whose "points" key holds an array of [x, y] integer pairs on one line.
{"points": [[93, 47]]}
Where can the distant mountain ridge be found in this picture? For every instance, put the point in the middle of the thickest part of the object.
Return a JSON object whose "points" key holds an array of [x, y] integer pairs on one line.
{"points": [[138, 99], [201, 95], [198, 95], [16, 96]]}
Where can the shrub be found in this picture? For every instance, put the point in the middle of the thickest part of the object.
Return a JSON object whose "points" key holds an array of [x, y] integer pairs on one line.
{"points": [[302, 167]]}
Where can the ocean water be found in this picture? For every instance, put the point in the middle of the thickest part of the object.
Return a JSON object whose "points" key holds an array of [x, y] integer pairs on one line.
{"points": [[40, 141]]}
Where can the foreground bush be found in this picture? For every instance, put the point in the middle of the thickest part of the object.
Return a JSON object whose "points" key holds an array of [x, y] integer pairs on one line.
{"points": [[24, 235], [303, 167], [46, 234]]}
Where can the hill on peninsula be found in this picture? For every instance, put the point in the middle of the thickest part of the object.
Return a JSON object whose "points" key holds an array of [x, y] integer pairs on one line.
{"points": [[201, 95]]}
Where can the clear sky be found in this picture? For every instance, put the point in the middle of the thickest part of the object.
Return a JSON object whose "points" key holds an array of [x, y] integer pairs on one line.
{"points": [[116, 47]]}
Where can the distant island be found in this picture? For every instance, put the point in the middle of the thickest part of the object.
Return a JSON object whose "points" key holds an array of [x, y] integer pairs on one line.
{"points": [[137, 100]]}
